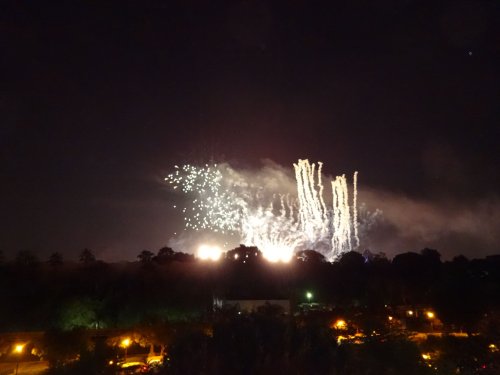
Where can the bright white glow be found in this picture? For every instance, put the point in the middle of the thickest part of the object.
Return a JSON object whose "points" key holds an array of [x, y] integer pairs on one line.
{"points": [[209, 252], [277, 254]]}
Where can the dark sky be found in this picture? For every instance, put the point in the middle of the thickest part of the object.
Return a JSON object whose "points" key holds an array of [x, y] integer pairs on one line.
{"points": [[99, 99]]}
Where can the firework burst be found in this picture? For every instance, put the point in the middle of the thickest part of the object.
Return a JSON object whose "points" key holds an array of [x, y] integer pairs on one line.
{"points": [[228, 201]]}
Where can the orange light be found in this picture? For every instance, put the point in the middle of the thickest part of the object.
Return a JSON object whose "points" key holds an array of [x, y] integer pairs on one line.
{"points": [[430, 315], [390, 318], [340, 324], [19, 348], [126, 342]]}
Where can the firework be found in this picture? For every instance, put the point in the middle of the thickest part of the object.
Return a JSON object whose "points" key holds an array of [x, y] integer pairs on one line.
{"points": [[214, 207], [228, 201]]}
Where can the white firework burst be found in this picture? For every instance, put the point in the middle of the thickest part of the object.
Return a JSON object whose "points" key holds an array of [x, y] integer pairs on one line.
{"points": [[227, 201]]}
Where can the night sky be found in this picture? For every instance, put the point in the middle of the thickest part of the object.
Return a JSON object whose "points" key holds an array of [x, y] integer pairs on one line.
{"points": [[99, 99]]}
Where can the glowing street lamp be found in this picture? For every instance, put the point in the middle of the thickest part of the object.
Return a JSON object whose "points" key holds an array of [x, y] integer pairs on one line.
{"points": [[309, 296], [18, 349], [430, 315], [125, 343]]}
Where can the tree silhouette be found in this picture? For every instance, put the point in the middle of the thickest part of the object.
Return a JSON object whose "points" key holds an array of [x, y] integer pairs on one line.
{"points": [[165, 255], [26, 258], [247, 254], [87, 257], [408, 269], [55, 259], [310, 256], [145, 257]]}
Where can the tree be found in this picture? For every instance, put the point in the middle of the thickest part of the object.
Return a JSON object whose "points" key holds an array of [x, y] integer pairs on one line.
{"points": [[145, 257], [183, 257], [408, 268], [55, 259], [432, 266], [352, 277], [26, 258], [87, 257], [63, 346], [81, 313], [352, 260], [310, 256], [165, 255], [246, 254]]}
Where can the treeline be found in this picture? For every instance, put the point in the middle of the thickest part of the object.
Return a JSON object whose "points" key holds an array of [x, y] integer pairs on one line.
{"points": [[172, 286]]}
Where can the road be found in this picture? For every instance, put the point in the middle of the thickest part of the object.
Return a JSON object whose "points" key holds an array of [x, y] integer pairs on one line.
{"points": [[25, 368]]}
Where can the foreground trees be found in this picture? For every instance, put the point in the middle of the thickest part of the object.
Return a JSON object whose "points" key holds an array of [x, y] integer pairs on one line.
{"points": [[174, 286]]}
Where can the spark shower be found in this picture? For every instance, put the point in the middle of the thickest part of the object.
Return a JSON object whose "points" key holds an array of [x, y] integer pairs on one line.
{"points": [[263, 211]]}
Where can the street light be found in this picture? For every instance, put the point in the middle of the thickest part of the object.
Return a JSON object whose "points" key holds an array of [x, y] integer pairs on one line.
{"points": [[125, 343], [18, 349], [430, 315], [309, 296]]}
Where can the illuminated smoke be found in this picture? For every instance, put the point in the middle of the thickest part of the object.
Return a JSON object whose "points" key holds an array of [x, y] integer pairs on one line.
{"points": [[255, 208]]}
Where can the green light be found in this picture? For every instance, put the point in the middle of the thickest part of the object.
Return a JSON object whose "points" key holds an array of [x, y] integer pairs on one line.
{"points": [[309, 295]]}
